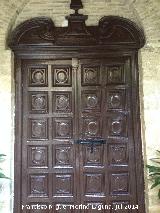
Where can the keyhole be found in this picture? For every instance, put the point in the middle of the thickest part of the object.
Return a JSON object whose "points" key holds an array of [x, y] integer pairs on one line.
{"points": [[92, 148]]}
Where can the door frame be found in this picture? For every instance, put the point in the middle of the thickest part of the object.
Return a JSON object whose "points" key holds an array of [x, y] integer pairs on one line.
{"points": [[46, 50], [18, 119]]}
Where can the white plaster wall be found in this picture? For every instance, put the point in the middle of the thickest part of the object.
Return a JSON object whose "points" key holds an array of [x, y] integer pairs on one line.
{"points": [[6, 130]]}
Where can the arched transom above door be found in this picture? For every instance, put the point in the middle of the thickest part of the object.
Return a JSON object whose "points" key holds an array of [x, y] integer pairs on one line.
{"points": [[112, 30]]}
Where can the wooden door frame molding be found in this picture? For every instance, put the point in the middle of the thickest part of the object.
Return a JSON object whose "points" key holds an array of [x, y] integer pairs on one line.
{"points": [[38, 38]]}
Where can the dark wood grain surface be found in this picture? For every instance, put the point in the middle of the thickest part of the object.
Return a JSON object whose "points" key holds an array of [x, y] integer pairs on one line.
{"points": [[76, 84]]}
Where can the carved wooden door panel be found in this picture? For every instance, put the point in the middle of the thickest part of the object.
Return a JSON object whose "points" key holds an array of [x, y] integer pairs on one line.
{"points": [[107, 173], [48, 154], [77, 140]]}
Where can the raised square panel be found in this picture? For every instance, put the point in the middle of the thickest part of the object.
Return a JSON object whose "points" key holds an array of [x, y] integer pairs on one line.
{"points": [[38, 129], [93, 155], [38, 156], [38, 185], [120, 206], [91, 127], [38, 208], [119, 183], [63, 156], [117, 125], [38, 102], [62, 128], [118, 154], [63, 185], [90, 75], [62, 102], [91, 100], [116, 99], [62, 75], [115, 74], [38, 76], [94, 184]]}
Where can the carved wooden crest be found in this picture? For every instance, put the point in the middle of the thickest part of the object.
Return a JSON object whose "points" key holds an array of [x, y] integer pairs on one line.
{"points": [[112, 30]]}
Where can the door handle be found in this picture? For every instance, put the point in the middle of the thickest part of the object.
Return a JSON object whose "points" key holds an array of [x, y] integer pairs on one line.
{"points": [[91, 142]]}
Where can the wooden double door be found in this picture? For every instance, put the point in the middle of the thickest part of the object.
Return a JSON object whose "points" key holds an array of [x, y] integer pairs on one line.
{"points": [[77, 135]]}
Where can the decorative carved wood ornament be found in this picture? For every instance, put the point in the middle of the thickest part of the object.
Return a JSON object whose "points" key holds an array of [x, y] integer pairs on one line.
{"points": [[77, 138], [112, 30]]}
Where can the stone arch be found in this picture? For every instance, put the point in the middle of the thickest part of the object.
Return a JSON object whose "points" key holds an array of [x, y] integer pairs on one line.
{"points": [[9, 12]]}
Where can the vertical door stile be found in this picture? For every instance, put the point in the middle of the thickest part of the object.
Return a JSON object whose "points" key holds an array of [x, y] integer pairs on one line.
{"points": [[18, 135], [132, 105], [24, 138], [79, 147], [50, 132], [79, 131], [104, 132], [75, 68]]}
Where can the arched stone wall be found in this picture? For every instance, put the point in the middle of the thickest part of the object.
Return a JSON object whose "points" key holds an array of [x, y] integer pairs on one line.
{"points": [[144, 12]]}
